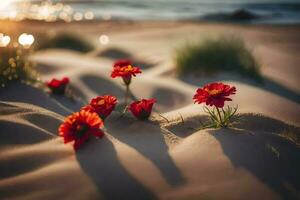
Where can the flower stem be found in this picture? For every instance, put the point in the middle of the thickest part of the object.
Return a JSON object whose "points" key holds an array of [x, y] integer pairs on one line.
{"points": [[126, 94], [221, 121]]}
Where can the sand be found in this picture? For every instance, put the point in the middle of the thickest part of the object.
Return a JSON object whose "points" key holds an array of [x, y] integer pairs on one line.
{"points": [[154, 159]]}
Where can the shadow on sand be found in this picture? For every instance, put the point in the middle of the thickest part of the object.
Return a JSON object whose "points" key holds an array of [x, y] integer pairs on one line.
{"points": [[265, 154], [147, 138], [102, 86], [255, 143], [279, 169], [100, 162], [169, 99]]}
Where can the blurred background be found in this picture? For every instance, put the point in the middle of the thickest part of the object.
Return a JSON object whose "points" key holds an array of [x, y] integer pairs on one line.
{"points": [[256, 11]]}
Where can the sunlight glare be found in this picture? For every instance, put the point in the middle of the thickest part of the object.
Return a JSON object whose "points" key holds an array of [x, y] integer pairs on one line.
{"points": [[4, 40]]}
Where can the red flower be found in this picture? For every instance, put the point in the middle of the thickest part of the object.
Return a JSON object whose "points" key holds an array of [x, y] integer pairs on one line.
{"points": [[122, 63], [102, 105], [214, 94], [80, 126], [126, 72], [58, 86], [142, 109]]}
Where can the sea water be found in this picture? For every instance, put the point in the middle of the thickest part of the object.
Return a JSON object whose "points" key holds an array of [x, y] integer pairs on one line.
{"points": [[265, 11]]}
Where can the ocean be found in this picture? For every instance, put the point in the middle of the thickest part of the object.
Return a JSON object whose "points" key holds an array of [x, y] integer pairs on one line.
{"points": [[245, 11]]}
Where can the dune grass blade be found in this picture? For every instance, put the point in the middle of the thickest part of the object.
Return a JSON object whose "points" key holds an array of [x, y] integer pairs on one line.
{"points": [[227, 54]]}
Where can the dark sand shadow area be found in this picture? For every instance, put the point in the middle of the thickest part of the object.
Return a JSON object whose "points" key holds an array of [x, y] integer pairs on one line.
{"points": [[46, 122], [147, 138], [102, 86], [169, 99], [267, 156], [26, 123], [19, 93], [256, 143], [32, 128], [10, 165], [67, 103], [108, 174], [20, 133]]}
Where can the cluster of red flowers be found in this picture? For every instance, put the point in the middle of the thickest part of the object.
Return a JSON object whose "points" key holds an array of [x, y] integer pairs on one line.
{"points": [[80, 126]]}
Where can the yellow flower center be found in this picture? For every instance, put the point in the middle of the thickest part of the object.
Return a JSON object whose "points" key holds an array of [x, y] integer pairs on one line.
{"points": [[213, 92], [101, 102], [129, 68]]}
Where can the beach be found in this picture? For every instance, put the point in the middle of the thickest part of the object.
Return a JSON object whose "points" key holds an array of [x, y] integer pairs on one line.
{"points": [[156, 159]]}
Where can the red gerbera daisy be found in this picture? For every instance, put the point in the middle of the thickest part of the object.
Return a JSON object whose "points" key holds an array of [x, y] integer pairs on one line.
{"points": [[214, 94], [122, 63], [80, 126], [58, 86], [126, 72], [142, 109], [102, 105]]}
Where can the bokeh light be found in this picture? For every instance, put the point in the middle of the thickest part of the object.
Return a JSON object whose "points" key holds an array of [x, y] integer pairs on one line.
{"points": [[89, 15], [104, 39], [78, 16], [4, 40], [26, 40], [43, 11]]}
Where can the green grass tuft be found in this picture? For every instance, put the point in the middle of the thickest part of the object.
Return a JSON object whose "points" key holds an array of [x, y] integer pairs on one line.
{"points": [[65, 41], [228, 54], [14, 66]]}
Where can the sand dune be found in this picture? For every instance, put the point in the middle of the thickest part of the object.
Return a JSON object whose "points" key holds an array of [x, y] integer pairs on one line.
{"points": [[148, 160], [153, 159]]}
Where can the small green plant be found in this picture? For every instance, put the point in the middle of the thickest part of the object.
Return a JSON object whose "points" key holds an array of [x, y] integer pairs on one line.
{"points": [[215, 95], [226, 53], [14, 66], [220, 118], [65, 41]]}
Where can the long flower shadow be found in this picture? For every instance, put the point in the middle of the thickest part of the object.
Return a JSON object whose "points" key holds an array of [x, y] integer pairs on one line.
{"points": [[100, 162], [19, 92], [265, 154], [103, 86], [147, 138]]}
